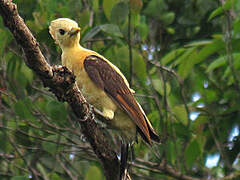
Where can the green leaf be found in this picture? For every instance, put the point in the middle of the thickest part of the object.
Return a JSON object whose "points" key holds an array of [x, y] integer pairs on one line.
{"points": [[139, 66], [170, 30], [181, 114], [135, 21], [57, 111], [236, 63], [172, 55], [90, 34], [201, 120], [167, 18], [84, 18], [93, 173], [226, 6], [210, 95], [192, 152], [236, 26], [182, 131], [41, 104], [155, 8], [216, 64], [55, 176], [22, 139], [143, 31], [22, 109], [47, 161], [186, 67], [208, 50], [25, 76], [142, 28], [192, 57], [198, 43], [12, 64], [4, 39], [154, 117], [159, 86], [95, 5], [215, 13], [42, 170], [171, 152], [19, 178], [5, 146], [107, 7], [111, 29], [184, 56], [53, 147], [120, 57], [119, 13]]}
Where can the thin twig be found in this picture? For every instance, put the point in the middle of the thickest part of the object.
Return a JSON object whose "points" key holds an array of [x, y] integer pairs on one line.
{"points": [[228, 39], [71, 165], [130, 45], [41, 138], [144, 95], [5, 93], [164, 168], [33, 171], [99, 39], [220, 147], [65, 168], [180, 82], [7, 156], [2, 174]]}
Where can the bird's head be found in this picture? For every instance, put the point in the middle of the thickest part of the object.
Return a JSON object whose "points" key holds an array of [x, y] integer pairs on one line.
{"points": [[65, 32]]}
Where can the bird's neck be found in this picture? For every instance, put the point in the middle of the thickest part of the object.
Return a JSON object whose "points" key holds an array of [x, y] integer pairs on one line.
{"points": [[73, 56], [70, 46]]}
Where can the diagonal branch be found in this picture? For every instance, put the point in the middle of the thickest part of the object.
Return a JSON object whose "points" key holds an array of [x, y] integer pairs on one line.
{"points": [[61, 83], [164, 168]]}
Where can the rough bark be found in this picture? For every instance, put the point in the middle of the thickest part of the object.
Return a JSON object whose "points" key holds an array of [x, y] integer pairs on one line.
{"points": [[62, 83]]}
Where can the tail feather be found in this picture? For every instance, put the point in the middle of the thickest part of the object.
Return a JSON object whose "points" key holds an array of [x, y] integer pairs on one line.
{"points": [[153, 135], [123, 161]]}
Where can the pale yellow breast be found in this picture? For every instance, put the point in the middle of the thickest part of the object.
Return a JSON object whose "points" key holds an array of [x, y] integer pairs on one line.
{"points": [[73, 59]]}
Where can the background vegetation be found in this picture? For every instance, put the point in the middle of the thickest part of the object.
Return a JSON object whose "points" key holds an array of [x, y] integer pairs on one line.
{"points": [[181, 57]]}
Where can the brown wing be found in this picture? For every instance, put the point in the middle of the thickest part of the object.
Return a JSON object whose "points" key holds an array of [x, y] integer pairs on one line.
{"points": [[108, 79]]}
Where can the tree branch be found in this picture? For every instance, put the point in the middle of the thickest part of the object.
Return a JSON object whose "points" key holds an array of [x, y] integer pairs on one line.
{"points": [[229, 15], [61, 83], [164, 168]]}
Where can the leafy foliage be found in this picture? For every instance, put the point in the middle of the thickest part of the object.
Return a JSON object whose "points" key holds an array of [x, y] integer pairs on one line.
{"points": [[179, 49]]}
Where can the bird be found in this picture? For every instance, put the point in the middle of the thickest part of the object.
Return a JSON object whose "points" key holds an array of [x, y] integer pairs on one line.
{"points": [[102, 84]]}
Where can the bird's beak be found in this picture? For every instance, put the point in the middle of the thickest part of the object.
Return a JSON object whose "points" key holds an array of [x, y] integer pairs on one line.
{"points": [[74, 31]]}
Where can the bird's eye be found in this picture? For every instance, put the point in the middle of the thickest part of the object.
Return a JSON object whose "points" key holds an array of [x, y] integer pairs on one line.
{"points": [[61, 31]]}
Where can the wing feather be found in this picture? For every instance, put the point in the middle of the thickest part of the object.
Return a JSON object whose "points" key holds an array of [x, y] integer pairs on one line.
{"points": [[107, 78]]}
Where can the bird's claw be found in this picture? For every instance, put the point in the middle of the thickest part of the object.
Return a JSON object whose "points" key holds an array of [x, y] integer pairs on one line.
{"points": [[89, 115]]}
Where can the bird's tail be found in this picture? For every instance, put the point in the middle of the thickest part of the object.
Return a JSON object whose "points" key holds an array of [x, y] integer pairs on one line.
{"points": [[124, 175], [153, 135]]}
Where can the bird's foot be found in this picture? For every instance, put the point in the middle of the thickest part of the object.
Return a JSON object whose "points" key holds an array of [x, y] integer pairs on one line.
{"points": [[89, 115], [108, 113], [105, 114]]}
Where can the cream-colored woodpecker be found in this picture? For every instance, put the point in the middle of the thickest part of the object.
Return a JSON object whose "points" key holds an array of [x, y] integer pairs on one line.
{"points": [[102, 83]]}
